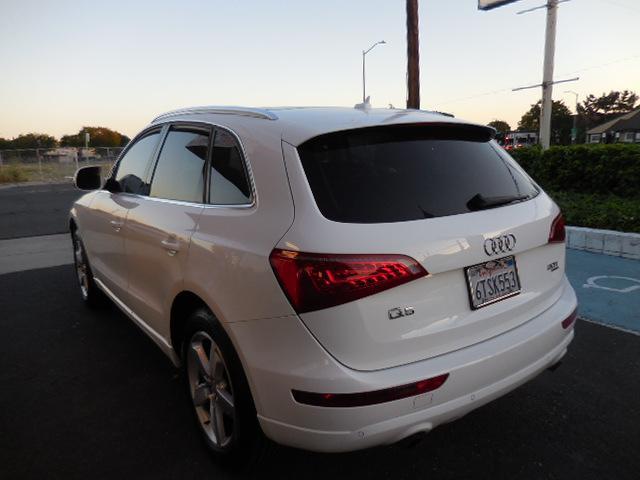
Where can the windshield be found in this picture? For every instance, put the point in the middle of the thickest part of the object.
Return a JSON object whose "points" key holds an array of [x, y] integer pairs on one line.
{"points": [[401, 173]]}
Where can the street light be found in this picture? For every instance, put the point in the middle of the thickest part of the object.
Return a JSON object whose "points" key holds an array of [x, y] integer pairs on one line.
{"points": [[364, 52], [576, 94], [574, 130]]}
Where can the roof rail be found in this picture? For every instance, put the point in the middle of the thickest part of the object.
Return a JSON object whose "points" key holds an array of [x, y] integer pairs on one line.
{"points": [[243, 111]]}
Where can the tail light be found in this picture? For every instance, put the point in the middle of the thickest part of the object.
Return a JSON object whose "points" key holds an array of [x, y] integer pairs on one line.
{"points": [[313, 281], [557, 233], [375, 397], [567, 322]]}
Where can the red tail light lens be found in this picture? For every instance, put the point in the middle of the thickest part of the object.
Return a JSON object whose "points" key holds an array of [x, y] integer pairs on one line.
{"points": [[557, 233], [361, 399], [313, 281], [567, 322]]}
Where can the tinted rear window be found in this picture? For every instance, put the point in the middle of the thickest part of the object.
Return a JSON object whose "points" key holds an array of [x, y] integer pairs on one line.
{"points": [[401, 173], [228, 182]]}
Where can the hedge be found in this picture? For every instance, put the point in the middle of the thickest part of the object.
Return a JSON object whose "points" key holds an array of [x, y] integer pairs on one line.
{"points": [[589, 169], [610, 212]]}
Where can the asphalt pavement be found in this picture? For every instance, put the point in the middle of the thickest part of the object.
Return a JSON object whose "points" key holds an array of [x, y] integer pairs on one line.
{"points": [[28, 210], [85, 394]]}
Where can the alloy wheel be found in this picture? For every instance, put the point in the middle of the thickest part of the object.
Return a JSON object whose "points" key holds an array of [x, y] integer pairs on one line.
{"points": [[211, 390], [82, 271]]}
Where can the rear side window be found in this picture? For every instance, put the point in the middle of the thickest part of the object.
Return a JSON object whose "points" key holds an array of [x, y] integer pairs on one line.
{"points": [[179, 174], [228, 180], [132, 168], [401, 173]]}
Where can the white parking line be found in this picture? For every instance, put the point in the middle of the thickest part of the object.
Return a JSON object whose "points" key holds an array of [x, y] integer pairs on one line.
{"points": [[591, 283], [29, 253]]}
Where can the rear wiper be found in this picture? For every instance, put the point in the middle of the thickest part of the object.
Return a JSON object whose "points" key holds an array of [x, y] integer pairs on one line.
{"points": [[479, 202]]}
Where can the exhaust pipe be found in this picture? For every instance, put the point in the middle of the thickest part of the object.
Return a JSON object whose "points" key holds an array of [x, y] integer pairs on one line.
{"points": [[555, 366], [413, 441]]}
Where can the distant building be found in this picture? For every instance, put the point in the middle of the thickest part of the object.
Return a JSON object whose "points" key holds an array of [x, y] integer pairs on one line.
{"points": [[623, 129], [519, 139]]}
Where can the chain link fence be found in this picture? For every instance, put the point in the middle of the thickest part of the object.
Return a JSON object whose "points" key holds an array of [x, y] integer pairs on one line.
{"points": [[53, 165]]}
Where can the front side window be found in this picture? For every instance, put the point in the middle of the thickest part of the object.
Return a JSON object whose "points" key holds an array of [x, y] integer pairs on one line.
{"points": [[402, 173], [132, 168], [228, 180], [179, 174]]}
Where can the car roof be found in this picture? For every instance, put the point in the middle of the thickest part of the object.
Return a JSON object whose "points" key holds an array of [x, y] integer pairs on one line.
{"points": [[299, 124]]}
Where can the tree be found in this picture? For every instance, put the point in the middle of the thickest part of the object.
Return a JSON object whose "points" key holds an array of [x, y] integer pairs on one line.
{"points": [[561, 122], [4, 143], [595, 110], [612, 103], [500, 125], [33, 140], [99, 137]]}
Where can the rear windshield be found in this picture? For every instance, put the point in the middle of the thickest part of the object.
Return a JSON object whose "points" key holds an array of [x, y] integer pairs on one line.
{"points": [[401, 173]]}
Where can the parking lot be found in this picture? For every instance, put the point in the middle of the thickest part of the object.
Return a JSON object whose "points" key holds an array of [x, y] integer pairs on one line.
{"points": [[85, 394]]}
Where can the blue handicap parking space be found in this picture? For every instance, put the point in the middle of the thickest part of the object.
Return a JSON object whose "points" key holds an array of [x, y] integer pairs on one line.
{"points": [[608, 288]]}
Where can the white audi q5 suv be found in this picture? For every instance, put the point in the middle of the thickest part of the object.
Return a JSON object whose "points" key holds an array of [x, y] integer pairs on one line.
{"points": [[330, 278]]}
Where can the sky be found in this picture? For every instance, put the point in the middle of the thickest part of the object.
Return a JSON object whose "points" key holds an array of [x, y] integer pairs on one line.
{"points": [[119, 63]]}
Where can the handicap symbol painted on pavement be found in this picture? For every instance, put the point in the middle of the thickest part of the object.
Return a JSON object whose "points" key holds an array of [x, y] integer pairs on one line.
{"points": [[592, 283]]}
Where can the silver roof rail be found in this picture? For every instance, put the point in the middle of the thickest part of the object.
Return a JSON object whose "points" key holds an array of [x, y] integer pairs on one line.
{"points": [[243, 111]]}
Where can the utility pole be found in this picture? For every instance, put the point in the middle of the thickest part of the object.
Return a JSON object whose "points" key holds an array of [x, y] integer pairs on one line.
{"points": [[413, 56], [547, 76]]}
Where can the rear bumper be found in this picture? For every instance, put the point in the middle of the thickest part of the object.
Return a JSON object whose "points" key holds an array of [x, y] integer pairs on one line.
{"points": [[280, 355]]}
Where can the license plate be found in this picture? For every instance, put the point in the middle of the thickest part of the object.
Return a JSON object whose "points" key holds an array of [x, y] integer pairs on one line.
{"points": [[492, 281]]}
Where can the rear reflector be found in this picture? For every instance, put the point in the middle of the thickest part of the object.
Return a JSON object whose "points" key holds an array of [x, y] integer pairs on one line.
{"points": [[313, 281], [369, 398], [567, 322], [557, 233]]}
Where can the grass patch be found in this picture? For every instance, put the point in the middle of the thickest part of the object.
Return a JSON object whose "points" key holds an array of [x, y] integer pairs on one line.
{"points": [[13, 174], [609, 212], [46, 172]]}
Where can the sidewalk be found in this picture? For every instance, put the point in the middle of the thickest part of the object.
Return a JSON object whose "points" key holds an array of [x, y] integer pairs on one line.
{"points": [[19, 254]]}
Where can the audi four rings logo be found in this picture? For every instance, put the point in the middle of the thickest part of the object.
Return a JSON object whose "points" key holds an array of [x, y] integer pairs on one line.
{"points": [[501, 244]]}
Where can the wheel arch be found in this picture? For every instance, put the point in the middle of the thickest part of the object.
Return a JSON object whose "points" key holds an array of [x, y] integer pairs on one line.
{"points": [[186, 302], [183, 304]]}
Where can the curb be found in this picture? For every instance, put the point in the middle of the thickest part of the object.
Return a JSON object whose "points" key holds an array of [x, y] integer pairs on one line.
{"points": [[608, 242]]}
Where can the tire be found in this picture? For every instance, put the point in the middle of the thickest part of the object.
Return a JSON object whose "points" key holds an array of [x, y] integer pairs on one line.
{"points": [[219, 392], [91, 295]]}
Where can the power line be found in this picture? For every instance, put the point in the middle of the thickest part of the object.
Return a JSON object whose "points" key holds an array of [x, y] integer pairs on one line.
{"points": [[620, 60], [622, 5], [502, 90], [484, 94]]}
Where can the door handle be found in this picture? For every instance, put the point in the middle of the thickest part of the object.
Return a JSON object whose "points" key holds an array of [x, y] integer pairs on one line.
{"points": [[171, 246], [116, 225]]}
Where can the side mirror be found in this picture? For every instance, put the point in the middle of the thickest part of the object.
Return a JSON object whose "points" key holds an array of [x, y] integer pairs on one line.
{"points": [[88, 178]]}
